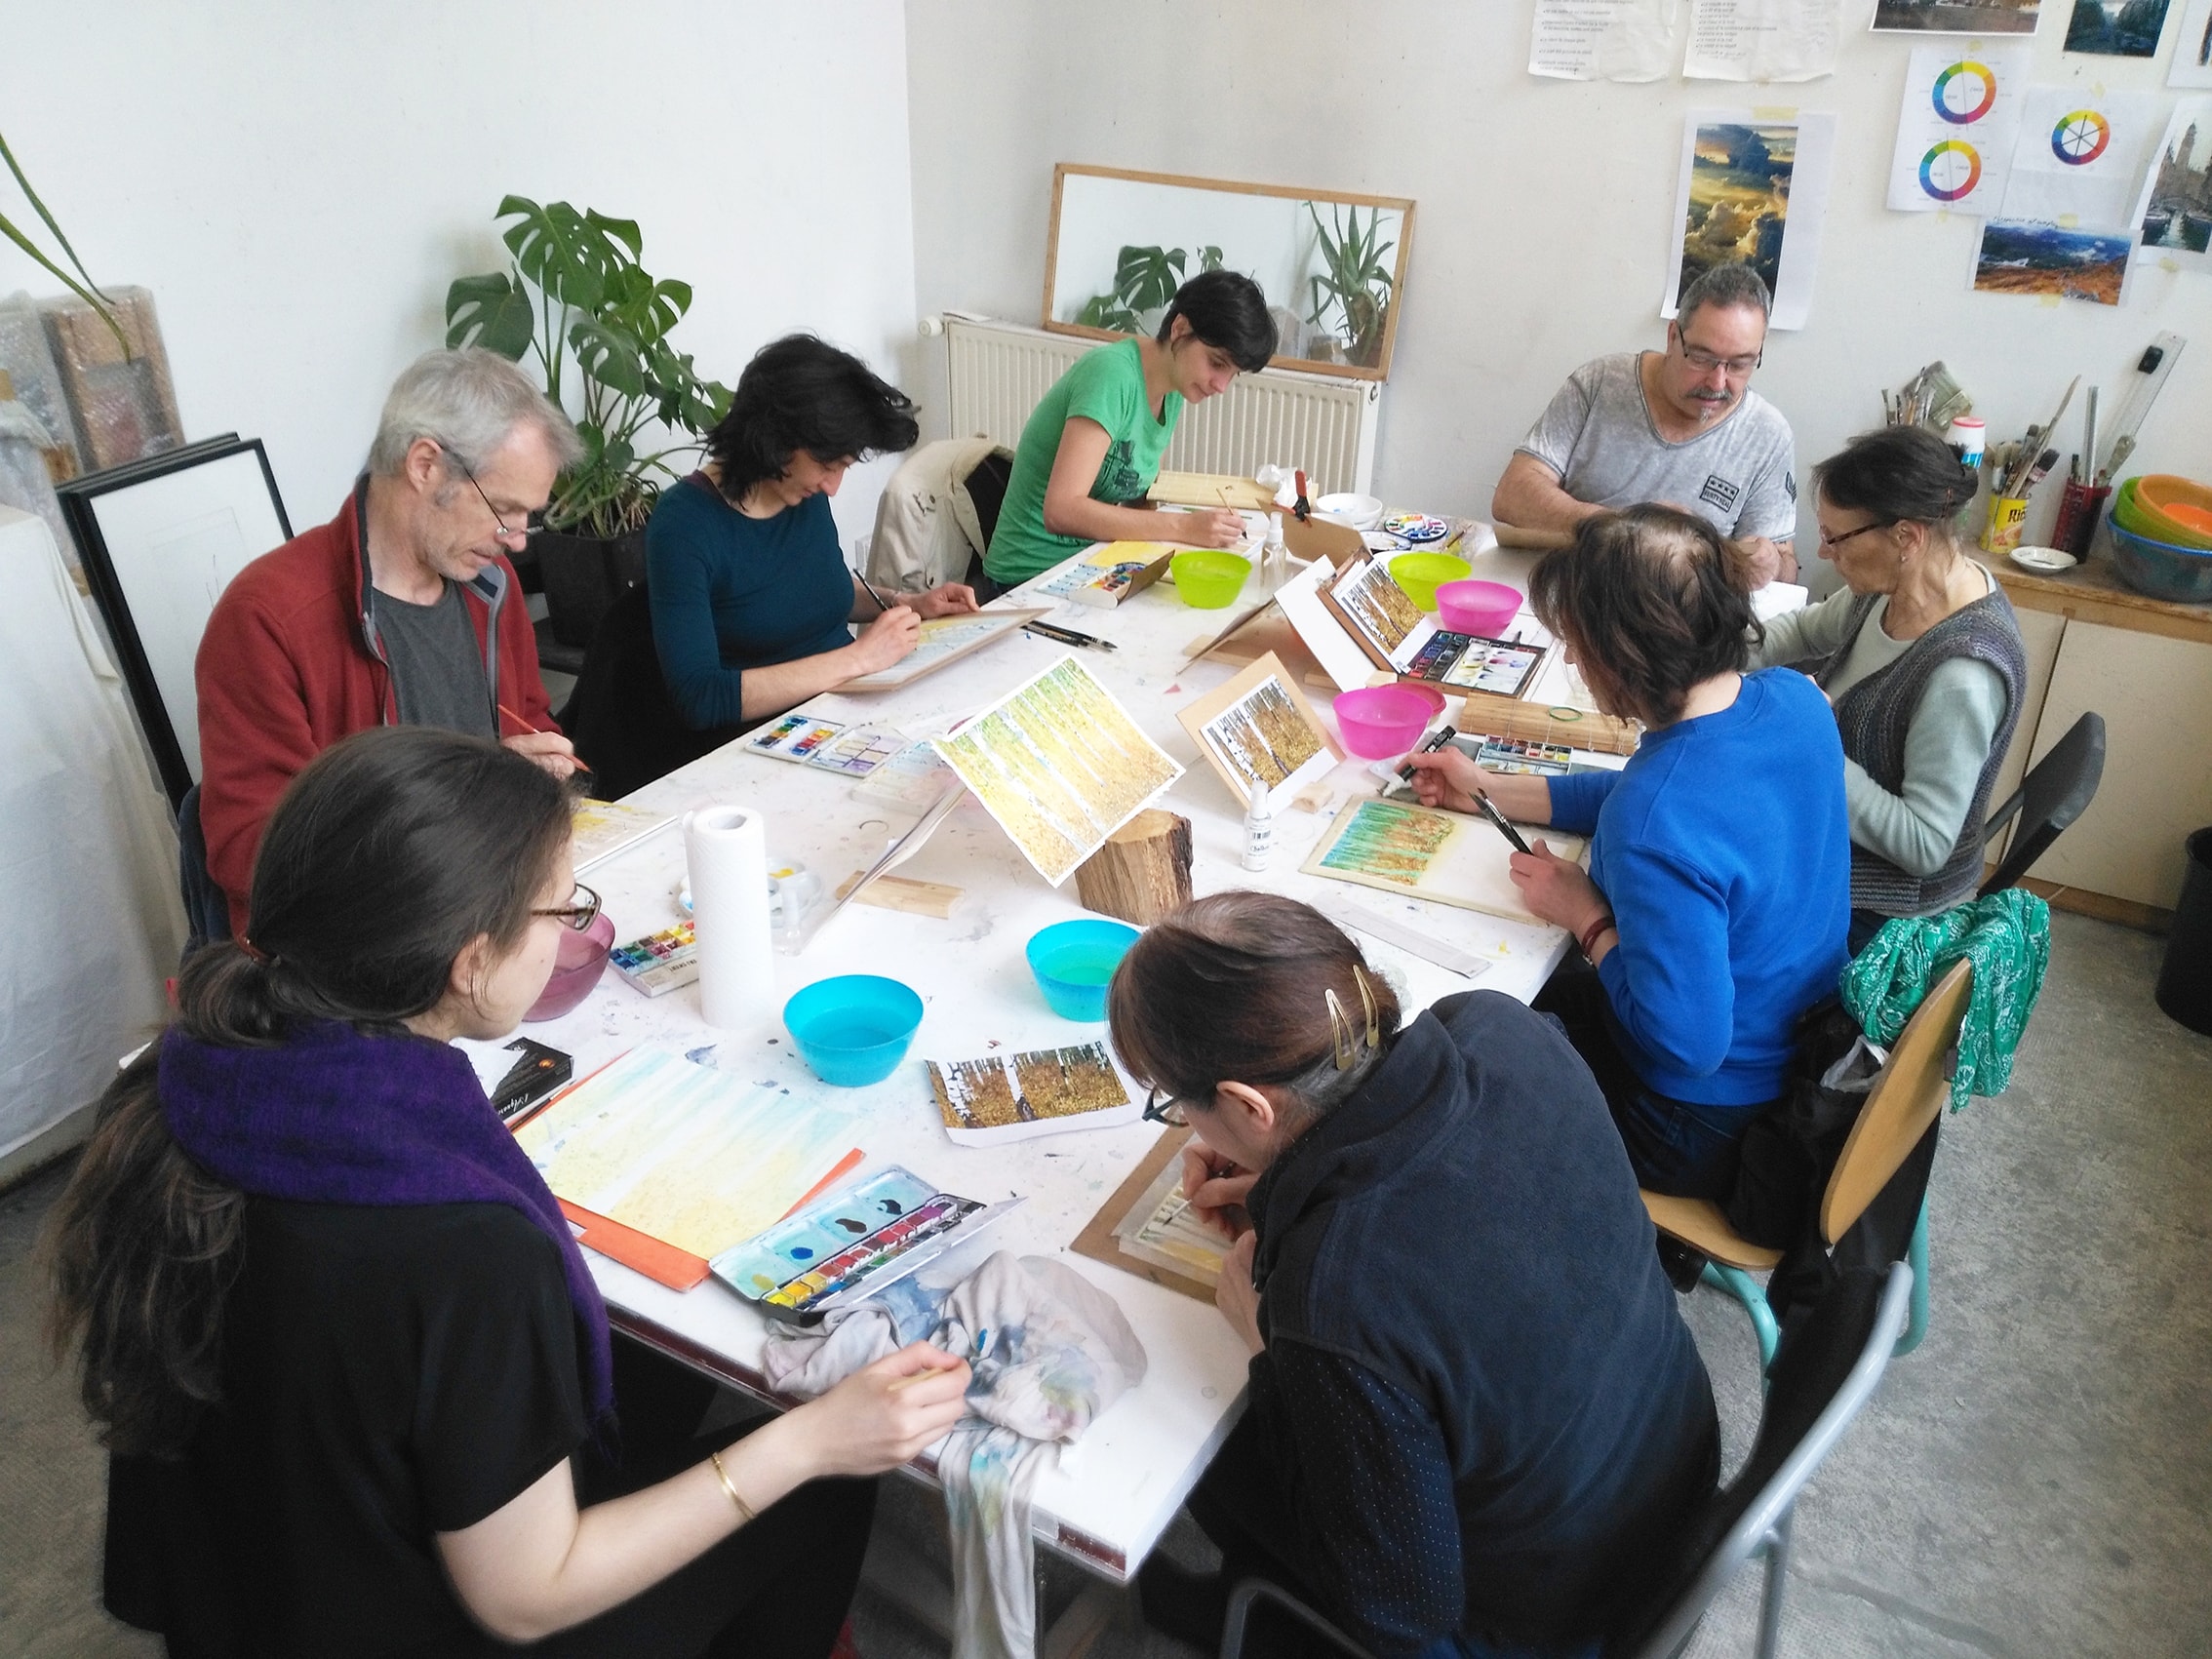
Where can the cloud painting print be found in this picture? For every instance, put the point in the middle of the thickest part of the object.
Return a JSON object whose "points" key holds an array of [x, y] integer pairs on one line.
{"points": [[1739, 199], [2025, 256]]}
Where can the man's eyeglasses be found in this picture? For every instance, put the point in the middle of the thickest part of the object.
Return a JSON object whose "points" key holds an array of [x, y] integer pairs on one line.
{"points": [[1704, 362], [581, 910], [531, 526], [1169, 1111], [1832, 543]]}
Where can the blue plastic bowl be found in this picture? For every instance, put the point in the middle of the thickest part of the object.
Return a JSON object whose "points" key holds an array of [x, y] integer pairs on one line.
{"points": [[1073, 960], [2160, 568], [854, 1030]]}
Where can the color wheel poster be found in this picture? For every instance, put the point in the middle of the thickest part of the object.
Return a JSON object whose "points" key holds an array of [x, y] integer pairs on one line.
{"points": [[2078, 156], [1956, 128]]}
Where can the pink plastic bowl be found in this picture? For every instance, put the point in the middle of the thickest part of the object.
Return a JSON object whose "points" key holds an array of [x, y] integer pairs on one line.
{"points": [[1486, 608], [1381, 720], [578, 963]]}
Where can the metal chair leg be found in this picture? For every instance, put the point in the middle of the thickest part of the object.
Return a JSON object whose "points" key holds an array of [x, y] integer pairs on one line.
{"points": [[1771, 1596], [1917, 1326], [1753, 1295]]}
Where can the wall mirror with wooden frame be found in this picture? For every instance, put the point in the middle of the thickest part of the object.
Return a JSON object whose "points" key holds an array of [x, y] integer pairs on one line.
{"points": [[1331, 264]]}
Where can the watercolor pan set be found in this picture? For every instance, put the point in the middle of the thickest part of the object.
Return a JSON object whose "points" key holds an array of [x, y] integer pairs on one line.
{"points": [[661, 961], [851, 1245], [854, 750]]}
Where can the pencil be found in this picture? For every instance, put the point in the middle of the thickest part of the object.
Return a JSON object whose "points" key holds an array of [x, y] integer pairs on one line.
{"points": [[576, 760]]}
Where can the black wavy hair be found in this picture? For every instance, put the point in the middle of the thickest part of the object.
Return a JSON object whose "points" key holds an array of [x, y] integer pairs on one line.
{"points": [[802, 393], [1228, 312]]}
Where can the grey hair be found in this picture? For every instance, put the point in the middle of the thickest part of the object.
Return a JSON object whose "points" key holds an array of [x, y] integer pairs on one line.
{"points": [[466, 401], [1728, 287]]}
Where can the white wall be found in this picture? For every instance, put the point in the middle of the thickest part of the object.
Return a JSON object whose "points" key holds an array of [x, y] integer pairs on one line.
{"points": [[1542, 217], [298, 183]]}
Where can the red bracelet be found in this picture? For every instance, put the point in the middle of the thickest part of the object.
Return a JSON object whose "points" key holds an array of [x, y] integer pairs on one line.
{"points": [[1589, 936]]}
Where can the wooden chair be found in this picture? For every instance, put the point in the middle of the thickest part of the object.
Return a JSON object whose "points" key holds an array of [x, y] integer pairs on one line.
{"points": [[1907, 1098]]}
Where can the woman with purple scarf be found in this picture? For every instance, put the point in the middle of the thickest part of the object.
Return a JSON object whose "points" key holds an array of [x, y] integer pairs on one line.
{"points": [[357, 1381]]}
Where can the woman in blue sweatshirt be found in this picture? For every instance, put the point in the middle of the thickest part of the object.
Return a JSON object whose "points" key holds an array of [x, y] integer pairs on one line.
{"points": [[1715, 907], [1476, 1419]]}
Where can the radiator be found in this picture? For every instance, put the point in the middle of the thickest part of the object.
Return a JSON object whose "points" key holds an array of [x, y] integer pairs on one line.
{"points": [[998, 373]]}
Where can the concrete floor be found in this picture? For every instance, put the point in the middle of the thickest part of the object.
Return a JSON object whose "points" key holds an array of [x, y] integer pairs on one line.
{"points": [[2036, 1480]]}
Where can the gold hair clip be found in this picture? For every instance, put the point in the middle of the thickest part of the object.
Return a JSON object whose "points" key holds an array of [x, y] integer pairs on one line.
{"points": [[1340, 1032]]}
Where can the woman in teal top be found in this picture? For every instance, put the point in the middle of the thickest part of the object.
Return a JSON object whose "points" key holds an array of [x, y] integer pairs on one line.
{"points": [[1093, 447], [750, 592]]}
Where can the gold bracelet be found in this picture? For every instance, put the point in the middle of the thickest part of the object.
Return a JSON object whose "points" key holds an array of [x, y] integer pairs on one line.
{"points": [[745, 1509]]}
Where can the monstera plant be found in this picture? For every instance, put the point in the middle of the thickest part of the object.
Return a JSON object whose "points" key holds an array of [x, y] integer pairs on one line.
{"points": [[576, 298]]}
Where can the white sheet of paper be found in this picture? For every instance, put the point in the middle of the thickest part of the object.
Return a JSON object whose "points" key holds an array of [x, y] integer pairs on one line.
{"points": [[1762, 40], [2193, 48], [1603, 40], [2078, 156], [1956, 126], [2170, 224], [1778, 598], [1806, 196], [1339, 653]]}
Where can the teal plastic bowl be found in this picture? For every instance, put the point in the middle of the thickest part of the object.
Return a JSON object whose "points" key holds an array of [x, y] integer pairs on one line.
{"points": [[854, 1030], [2159, 569], [1074, 960]]}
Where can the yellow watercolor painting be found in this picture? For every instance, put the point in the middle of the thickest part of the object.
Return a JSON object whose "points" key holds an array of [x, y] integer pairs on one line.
{"points": [[683, 1153], [1060, 765]]}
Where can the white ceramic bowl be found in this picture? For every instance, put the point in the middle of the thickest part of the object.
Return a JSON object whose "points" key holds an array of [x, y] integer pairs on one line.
{"points": [[1360, 512]]}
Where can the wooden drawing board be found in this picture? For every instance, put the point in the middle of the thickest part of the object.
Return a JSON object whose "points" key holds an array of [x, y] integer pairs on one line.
{"points": [[1330, 644], [945, 640], [1097, 1241], [1380, 616], [1260, 713], [1418, 853], [1211, 490], [1271, 631]]}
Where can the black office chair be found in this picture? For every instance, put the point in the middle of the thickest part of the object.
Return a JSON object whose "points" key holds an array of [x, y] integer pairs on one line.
{"points": [[2057, 790], [621, 716]]}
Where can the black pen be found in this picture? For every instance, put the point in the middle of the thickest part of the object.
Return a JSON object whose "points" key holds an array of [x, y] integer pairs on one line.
{"points": [[1436, 741], [1498, 818], [1068, 636]]}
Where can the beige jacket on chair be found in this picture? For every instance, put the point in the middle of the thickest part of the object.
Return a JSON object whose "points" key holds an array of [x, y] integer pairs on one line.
{"points": [[927, 528]]}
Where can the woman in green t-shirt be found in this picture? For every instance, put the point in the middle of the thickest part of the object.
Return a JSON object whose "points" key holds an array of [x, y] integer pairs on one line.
{"points": [[1093, 447]]}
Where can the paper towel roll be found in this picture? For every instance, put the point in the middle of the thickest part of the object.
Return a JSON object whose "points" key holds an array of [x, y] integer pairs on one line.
{"points": [[726, 851]]}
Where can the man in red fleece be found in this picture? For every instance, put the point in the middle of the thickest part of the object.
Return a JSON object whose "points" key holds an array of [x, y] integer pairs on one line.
{"points": [[402, 609]]}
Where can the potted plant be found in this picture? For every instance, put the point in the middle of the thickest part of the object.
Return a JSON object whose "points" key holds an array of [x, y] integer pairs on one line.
{"points": [[1354, 283], [577, 296], [1145, 280]]}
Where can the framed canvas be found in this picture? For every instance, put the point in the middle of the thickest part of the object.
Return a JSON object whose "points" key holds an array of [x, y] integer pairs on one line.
{"points": [[160, 539]]}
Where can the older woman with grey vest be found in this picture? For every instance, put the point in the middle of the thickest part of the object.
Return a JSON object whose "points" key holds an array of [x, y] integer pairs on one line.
{"points": [[1921, 656]]}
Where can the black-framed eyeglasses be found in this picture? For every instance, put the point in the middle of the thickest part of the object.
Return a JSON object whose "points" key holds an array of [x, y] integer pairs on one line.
{"points": [[531, 526], [1832, 543], [1169, 1111], [581, 910], [1704, 362]]}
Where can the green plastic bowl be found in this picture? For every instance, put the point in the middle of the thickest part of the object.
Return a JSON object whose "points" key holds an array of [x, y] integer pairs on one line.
{"points": [[1209, 581], [1420, 574], [2132, 513]]}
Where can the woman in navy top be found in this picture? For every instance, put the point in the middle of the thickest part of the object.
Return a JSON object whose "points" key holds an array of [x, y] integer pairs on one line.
{"points": [[1714, 911], [750, 592]]}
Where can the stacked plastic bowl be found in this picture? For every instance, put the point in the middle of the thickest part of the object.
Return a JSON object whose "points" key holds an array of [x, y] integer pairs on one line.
{"points": [[2161, 529]]}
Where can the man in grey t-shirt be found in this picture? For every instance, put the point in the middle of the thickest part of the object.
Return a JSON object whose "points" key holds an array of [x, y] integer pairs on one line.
{"points": [[1680, 426]]}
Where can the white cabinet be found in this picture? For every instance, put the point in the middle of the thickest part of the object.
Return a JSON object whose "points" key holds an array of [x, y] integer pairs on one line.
{"points": [[2146, 666]]}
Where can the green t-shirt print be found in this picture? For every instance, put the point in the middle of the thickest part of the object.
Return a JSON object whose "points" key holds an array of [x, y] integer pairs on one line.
{"points": [[1106, 385]]}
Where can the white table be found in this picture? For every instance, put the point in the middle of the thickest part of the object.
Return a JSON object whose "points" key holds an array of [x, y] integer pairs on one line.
{"points": [[1113, 1492]]}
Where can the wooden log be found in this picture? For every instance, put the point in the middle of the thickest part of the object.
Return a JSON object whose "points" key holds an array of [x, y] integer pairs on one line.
{"points": [[1142, 872]]}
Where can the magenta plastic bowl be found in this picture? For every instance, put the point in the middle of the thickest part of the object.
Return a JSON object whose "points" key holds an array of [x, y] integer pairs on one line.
{"points": [[1486, 608], [578, 963], [1381, 720]]}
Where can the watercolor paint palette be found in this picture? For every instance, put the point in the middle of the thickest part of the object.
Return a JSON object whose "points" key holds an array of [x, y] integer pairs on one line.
{"points": [[851, 1245], [854, 750], [661, 961]]}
